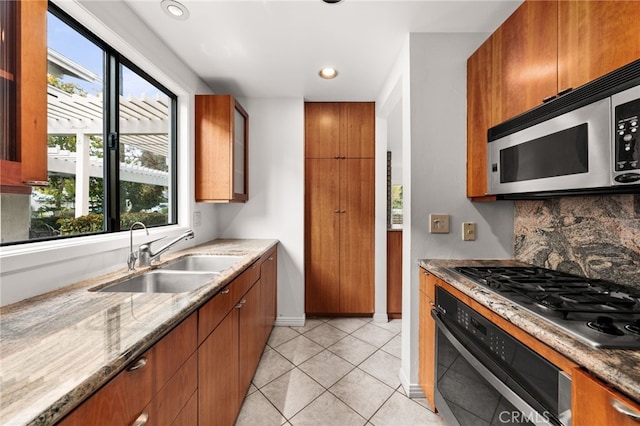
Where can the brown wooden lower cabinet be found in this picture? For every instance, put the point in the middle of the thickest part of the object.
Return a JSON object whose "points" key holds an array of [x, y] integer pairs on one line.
{"points": [[250, 332], [218, 373], [200, 372], [427, 339], [394, 273], [595, 403], [188, 416]]}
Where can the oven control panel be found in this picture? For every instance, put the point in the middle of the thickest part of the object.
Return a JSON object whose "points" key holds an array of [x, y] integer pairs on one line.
{"points": [[483, 331]]}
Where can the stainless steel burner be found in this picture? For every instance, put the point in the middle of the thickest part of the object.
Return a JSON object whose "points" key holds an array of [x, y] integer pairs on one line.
{"points": [[601, 313]]}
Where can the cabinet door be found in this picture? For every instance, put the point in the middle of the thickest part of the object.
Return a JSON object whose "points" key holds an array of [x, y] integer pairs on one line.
{"points": [[594, 403], [269, 283], [427, 339], [339, 130], [322, 215], [23, 86], [479, 118], [221, 145], [357, 212], [394, 274], [358, 130], [595, 37], [525, 57], [167, 405], [322, 129], [218, 374], [250, 332], [240, 169]]}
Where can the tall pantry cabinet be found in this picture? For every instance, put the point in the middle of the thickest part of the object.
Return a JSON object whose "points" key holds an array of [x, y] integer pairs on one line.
{"points": [[339, 207]]}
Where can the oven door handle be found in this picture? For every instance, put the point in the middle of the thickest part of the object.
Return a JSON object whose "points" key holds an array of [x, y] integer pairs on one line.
{"points": [[540, 419]]}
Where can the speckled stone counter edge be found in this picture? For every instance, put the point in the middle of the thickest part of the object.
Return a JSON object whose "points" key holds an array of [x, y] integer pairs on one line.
{"points": [[18, 322], [619, 368]]}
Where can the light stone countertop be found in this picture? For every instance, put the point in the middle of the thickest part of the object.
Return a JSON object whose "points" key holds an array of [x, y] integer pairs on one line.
{"points": [[56, 349], [620, 368]]}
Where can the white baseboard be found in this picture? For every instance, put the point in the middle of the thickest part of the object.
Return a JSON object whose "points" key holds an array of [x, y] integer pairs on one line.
{"points": [[413, 390], [290, 321], [379, 318]]}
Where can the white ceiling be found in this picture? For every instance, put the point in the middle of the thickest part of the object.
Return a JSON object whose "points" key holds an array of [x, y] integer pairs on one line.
{"points": [[275, 48]]}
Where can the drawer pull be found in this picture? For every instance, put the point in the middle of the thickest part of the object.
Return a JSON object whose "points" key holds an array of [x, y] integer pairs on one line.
{"points": [[138, 365], [141, 420], [624, 409], [225, 291], [242, 302], [271, 259]]}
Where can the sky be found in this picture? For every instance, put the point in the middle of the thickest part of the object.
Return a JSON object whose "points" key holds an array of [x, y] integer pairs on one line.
{"points": [[67, 41]]}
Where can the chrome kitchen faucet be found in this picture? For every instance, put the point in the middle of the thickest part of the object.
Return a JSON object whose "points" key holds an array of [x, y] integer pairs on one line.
{"points": [[133, 255], [146, 256]]}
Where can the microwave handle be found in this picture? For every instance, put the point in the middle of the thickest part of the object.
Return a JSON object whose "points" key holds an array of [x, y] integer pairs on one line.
{"points": [[504, 390]]}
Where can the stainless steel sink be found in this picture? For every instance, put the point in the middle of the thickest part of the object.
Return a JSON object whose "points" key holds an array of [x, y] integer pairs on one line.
{"points": [[211, 263], [160, 281]]}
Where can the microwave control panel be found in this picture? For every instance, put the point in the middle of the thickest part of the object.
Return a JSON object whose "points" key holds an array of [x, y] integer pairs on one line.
{"points": [[627, 142]]}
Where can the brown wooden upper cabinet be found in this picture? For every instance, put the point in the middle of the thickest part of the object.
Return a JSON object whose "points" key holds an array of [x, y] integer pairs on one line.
{"points": [[339, 130], [594, 38], [221, 142], [542, 49], [23, 93]]}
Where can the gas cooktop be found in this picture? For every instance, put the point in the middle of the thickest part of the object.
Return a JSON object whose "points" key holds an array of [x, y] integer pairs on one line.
{"points": [[601, 313]]}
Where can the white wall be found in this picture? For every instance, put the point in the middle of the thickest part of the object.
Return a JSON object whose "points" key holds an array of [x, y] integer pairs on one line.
{"points": [[434, 172], [276, 196], [35, 268]]}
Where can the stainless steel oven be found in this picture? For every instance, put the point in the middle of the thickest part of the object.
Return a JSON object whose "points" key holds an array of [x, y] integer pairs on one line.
{"points": [[486, 377]]}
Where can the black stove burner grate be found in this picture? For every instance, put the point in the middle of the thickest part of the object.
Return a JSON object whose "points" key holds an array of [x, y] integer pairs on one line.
{"points": [[555, 291]]}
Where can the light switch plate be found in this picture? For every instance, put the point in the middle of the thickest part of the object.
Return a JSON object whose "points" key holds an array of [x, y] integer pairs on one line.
{"points": [[439, 223], [469, 231]]}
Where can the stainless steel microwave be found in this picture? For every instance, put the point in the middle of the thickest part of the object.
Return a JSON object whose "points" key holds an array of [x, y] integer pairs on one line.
{"points": [[591, 148]]}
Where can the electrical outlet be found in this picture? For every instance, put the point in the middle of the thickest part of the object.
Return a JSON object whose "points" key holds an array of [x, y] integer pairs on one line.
{"points": [[197, 219], [469, 231], [439, 223]]}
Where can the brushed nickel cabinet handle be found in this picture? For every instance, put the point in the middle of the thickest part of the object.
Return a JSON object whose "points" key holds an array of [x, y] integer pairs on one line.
{"points": [[138, 365], [271, 259], [141, 420], [625, 409], [242, 302], [225, 291]]}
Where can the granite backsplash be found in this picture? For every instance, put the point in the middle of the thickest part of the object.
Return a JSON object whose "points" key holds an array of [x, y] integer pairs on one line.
{"points": [[596, 237]]}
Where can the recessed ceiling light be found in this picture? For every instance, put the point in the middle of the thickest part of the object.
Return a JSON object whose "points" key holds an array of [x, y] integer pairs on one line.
{"points": [[332, 1], [174, 9], [328, 73]]}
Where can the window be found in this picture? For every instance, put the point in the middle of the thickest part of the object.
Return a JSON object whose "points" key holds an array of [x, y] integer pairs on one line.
{"points": [[111, 142]]}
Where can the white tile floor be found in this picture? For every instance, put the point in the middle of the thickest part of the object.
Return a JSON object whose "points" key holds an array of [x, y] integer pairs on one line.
{"points": [[340, 371]]}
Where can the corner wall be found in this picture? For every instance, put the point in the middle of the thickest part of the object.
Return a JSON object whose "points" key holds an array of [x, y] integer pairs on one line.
{"points": [[434, 174], [276, 196]]}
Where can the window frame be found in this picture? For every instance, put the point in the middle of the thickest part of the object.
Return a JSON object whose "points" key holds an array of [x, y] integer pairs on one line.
{"points": [[113, 60]]}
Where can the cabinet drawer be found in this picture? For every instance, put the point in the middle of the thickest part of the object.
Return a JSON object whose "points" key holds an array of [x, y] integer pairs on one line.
{"points": [[214, 311], [188, 416], [168, 403], [428, 285], [122, 399]]}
